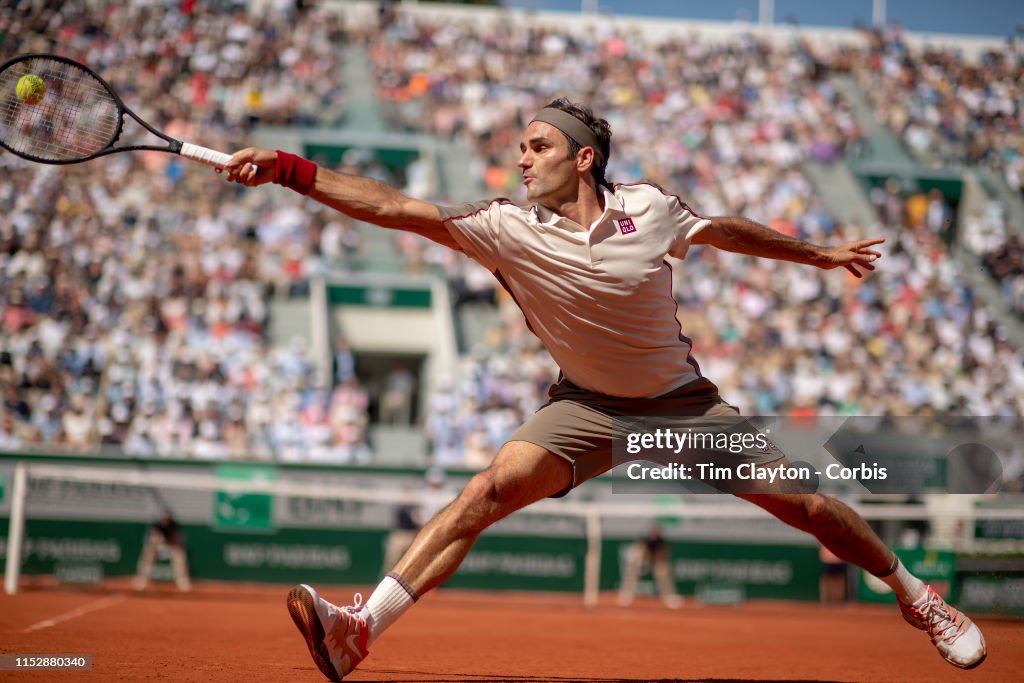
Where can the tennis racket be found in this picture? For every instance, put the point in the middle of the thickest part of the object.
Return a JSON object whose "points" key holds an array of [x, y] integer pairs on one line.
{"points": [[80, 117]]}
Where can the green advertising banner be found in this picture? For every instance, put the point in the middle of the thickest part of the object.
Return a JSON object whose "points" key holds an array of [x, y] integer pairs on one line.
{"points": [[935, 567], [283, 556], [523, 563], [244, 511], [1010, 528], [337, 556], [379, 296], [992, 593], [753, 570], [3, 486], [52, 545], [355, 556]]}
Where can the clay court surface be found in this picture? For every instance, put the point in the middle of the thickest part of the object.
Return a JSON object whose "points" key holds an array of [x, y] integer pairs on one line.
{"points": [[231, 633]]}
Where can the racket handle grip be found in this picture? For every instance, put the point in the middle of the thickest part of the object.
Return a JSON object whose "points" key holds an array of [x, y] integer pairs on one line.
{"points": [[204, 155]]}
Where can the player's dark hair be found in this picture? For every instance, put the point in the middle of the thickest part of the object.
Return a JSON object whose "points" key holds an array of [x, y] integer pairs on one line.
{"points": [[598, 126]]}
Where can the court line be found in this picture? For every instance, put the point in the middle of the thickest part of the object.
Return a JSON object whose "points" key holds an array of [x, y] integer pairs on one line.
{"points": [[93, 606]]}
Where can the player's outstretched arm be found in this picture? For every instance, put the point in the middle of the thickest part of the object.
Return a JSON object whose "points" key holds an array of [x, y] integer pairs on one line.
{"points": [[361, 198], [744, 236]]}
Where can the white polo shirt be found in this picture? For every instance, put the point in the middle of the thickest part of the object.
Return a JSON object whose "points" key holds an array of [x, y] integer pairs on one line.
{"points": [[599, 297]]}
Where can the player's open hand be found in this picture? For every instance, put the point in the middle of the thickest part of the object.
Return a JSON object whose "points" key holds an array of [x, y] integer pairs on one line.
{"points": [[251, 166], [854, 256]]}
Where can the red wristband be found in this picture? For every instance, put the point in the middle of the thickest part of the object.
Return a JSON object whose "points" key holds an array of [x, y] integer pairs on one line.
{"points": [[294, 172]]}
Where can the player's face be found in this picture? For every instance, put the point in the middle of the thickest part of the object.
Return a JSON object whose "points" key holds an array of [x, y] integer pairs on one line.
{"points": [[549, 175]]}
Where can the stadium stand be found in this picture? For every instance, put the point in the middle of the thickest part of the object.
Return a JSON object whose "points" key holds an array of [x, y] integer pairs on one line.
{"points": [[170, 341], [734, 135], [951, 111], [137, 292]]}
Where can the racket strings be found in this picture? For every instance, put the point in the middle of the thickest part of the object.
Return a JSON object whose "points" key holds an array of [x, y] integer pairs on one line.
{"points": [[76, 117]]}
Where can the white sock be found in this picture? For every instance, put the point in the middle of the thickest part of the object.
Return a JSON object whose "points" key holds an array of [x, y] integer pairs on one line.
{"points": [[907, 587], [389, 600]]}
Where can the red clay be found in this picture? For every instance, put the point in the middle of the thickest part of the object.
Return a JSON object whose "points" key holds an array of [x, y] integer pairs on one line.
{"points": [[229, 633]]}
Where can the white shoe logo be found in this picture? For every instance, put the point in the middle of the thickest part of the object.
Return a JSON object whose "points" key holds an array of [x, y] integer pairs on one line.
{"points": [[342, 652], [353, 642]]}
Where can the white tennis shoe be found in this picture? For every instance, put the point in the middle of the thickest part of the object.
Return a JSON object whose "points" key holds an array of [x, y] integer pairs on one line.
{"points": [[336, 636], [956, 637]]}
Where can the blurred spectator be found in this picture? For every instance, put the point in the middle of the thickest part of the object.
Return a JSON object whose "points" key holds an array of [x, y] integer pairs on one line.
{"points": [[344, 361], [651, 551], [1006, 264], [164, 538], [396, 397]]}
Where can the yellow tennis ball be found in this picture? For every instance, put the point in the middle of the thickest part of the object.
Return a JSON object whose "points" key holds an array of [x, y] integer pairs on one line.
{"points": [[31, 89]]}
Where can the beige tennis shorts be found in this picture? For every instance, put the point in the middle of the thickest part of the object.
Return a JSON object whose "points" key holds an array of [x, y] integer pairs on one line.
{"points": [[577, 424]]}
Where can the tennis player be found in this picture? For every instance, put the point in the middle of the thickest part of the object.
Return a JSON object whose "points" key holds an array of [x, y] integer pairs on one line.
{"points": [[585, 261]]}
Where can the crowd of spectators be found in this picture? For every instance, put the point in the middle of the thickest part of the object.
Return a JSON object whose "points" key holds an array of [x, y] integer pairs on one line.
{"points": [[949, 109], [225, 65], [910, 340], [134, 316], [134, 292], [727, 125], [134, 289]]}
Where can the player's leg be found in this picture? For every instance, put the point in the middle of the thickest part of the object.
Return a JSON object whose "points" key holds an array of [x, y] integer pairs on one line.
{"points": [[661, 568], [631, 573], [338, 638], [837, 527], [522, 473], [179, 562], [144, 570], [840, 529]]}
